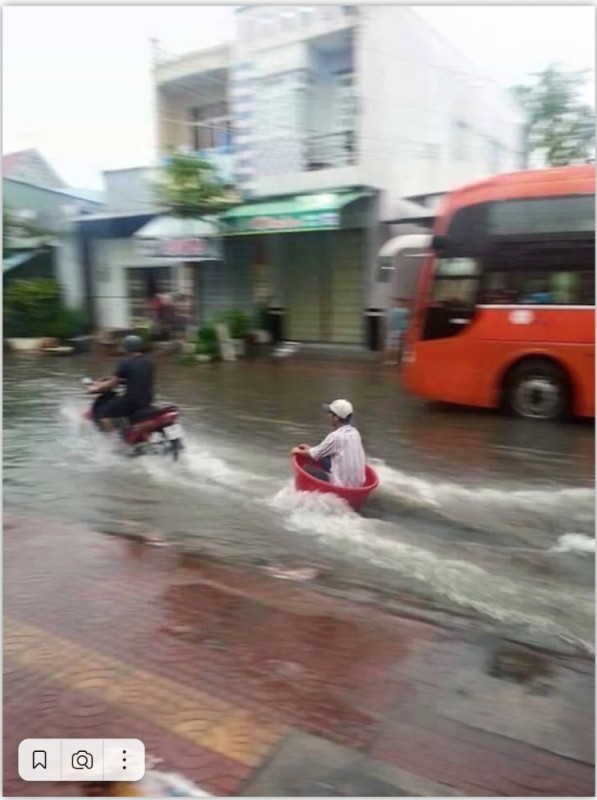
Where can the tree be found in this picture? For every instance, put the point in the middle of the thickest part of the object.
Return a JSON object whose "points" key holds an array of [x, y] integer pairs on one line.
{"points": [[18, 232], [189, 187], [6, 228], [560, 128]]}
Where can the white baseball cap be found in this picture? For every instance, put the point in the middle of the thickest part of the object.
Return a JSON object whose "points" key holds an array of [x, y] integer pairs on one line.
{"points": [[341, 408]]}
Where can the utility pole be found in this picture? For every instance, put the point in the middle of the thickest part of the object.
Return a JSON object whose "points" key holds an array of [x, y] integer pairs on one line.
{"points": [[155, 51]]}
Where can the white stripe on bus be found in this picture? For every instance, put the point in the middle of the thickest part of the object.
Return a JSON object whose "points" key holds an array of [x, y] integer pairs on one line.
{"points": [[532, 307]]}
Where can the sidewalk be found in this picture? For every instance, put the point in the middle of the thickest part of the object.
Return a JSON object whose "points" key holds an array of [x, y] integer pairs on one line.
{"points": [[250, 685]]}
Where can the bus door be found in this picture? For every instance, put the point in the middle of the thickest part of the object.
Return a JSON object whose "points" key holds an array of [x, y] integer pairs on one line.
{"points": [[445, 342]]}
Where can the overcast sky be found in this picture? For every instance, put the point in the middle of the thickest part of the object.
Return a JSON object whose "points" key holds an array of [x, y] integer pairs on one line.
{"points": [[76, 79]]}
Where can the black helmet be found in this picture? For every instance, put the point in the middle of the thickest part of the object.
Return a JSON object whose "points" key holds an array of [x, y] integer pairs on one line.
{"points": [[132, 344]]}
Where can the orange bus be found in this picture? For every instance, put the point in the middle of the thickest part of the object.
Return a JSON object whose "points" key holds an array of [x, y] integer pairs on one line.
{"points": [[505, 309]]}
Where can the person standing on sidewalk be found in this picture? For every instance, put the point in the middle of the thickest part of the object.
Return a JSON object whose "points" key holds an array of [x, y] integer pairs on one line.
{"points": [[397, 319]]}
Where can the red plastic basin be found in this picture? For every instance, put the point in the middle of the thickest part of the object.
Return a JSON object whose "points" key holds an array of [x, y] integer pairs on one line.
{"points": [[304, 482]]}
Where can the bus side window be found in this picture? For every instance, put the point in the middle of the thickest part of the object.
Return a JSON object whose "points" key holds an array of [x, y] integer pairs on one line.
{"points": [[586, 292], [499, 288], [536, 289], [565, 287]]}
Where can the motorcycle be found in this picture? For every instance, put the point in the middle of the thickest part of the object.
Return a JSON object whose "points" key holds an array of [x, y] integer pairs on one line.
{"points": [[152, 430]]}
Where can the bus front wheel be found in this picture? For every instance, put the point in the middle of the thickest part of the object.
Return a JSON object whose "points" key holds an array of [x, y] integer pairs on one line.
{"points": [[538, 389]]}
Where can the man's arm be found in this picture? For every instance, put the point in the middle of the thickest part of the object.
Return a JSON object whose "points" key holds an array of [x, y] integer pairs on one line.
{"points": [[104, 385], [300, 449], [326, 448]]}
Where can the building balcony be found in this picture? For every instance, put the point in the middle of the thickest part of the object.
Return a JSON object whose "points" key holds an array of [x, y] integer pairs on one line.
{"points": [[314, 164], [330, 150], [202, 67]]}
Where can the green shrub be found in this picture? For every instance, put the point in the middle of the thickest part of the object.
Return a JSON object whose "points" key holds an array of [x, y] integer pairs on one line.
{"points": [[69, 323], [207, 334], [204, 349], [238, 323], [207, 341], [35, 308]]}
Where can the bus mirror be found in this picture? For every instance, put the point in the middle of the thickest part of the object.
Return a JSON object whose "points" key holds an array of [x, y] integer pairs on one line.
{"points": [[440, 244]]}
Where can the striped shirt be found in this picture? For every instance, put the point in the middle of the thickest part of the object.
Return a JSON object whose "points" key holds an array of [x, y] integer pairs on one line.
{"points": [[345, 448]]}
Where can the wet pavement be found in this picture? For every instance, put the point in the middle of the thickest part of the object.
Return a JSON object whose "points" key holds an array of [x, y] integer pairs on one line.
{"points": [[476, 513], [252, 685], [444, 635]]}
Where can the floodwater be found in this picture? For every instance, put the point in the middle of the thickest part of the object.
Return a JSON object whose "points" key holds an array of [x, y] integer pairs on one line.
{"points": [[479, 518]]}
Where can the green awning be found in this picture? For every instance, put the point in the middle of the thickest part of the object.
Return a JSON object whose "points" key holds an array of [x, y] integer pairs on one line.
{"points": [[298, 213]]}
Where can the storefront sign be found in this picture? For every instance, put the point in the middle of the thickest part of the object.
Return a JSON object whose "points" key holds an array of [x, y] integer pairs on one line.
{"points": [[183, 249], [288, 222]]}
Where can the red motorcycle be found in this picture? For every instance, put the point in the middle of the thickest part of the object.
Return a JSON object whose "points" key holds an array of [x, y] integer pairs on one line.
{"points": [[150, 430]]}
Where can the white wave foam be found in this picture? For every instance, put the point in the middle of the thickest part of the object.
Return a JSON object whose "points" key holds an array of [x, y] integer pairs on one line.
{"points": [[73, 413], [327, 505], [196, 466], [492, 509], [409, 487], [574, 543], [335, 526]]}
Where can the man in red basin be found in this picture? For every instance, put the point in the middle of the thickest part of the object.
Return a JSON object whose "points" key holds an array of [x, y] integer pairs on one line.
{"points": [[340, 457]]}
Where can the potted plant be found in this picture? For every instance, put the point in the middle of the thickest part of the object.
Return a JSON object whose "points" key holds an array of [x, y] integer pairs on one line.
{"points": [[238, 326], [207, 344]]}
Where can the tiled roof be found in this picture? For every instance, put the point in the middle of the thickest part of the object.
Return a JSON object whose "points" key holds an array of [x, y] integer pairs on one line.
{"points": [[31, 166], [11, 161]]}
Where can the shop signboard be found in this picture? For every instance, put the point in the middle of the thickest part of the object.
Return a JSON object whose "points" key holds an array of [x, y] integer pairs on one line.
{"points": [[179, 248], [286, 222]]}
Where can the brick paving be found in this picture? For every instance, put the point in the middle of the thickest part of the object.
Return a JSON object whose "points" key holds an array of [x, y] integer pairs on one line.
{"points": [[216, 667]]}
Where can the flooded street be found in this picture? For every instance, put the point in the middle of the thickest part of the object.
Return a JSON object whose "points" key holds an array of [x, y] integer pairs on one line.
{"points": [[476, 513]]}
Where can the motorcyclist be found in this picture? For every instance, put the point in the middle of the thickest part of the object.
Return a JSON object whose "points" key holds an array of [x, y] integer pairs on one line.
{"points": [[136, 372]]}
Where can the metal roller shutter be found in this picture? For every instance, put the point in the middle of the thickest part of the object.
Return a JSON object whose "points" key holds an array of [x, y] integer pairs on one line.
{"points": [[348, 288], [225, 285], [305, 276]]}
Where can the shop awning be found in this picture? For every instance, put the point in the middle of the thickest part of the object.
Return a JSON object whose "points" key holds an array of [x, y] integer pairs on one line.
{"points": [[321, 211], [17, 260], [179, 238]]}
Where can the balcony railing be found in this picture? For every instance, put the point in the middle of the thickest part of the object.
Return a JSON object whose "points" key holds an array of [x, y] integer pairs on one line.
{"points": [[330, 150]]}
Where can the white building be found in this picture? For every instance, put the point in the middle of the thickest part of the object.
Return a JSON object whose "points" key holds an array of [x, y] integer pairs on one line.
{"points": [[327, 118], [361, 95]]}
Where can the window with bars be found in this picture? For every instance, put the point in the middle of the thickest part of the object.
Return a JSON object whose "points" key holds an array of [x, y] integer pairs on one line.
{"points": [[211, 127], [345, 106], [278, 107]]}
